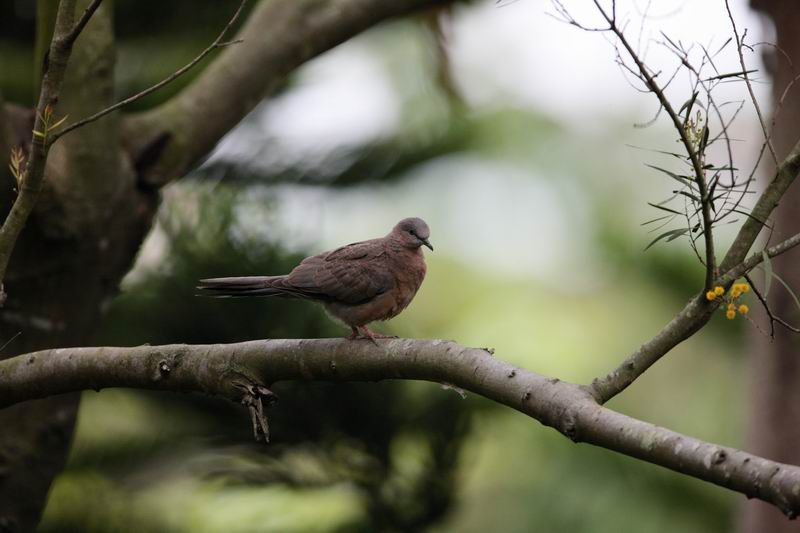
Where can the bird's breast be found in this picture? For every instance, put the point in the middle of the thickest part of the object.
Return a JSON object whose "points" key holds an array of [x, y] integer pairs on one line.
{"points": [[409, 275]]}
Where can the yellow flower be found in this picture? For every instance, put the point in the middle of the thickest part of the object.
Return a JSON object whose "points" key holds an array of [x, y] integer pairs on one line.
{"points": [[711, 296], [719, 291], [745, 287], [731, 314], [736, 291], [731, 307], [743, 309]]}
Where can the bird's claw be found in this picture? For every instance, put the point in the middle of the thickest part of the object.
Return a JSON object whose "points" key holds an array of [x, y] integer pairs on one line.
{"points": [[367, 334]]}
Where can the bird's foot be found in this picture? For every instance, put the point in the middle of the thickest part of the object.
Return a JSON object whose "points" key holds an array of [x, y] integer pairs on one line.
{"points": [[364, 332]]}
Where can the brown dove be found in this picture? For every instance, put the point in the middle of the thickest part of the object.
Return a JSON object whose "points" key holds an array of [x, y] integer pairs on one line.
{"points": [[358, 283]]}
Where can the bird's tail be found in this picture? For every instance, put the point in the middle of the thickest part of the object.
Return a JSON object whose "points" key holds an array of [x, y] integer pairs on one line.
{"points": [[245, 286]]}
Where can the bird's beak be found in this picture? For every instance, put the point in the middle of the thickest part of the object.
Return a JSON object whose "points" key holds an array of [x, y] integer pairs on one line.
{"points": [[426, 243]]}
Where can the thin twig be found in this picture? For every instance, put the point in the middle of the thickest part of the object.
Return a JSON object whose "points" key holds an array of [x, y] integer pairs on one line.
{"points": [[694, 155], [78, 27], [218, 43], [739, 45], [772, 318]]}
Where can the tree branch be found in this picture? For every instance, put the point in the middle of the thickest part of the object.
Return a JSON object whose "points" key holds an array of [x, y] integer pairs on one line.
{"points": [[278, 37], [746, 76], [64, 36], [218, 43], [241, 371], [695, 155], [686, 323], [698, 311], [76, 30]]}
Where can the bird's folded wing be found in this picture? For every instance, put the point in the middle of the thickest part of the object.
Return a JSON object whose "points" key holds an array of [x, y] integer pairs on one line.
{"points": [[352, 274]]}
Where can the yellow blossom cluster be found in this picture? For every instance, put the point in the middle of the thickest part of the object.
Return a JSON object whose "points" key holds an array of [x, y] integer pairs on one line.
{"points": [[733, 294]]}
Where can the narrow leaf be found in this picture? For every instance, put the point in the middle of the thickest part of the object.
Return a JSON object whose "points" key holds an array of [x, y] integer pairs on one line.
{"points": [[656, 220], [786, 286], [767, 273], [681, 179], [672, 234], [688, 106], [690, 195], [60, 122], [731, 75], [667, 209]]}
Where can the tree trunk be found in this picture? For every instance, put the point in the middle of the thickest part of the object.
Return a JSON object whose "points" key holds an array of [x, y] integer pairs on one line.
{"points": [[774, 427], [66, 267]]}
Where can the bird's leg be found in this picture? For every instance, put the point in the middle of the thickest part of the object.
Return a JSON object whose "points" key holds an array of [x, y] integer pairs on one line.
{"points": [[355, 334]]}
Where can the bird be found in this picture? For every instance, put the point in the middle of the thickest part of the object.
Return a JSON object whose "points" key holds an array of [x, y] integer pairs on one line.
{"points": [[357, 284]]}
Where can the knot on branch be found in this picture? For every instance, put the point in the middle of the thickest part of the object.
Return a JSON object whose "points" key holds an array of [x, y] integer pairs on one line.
{"points": [[257, 398]]}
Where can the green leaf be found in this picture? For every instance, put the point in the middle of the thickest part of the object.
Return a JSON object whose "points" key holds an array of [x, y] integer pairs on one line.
{"points": [[38, 134], [767, 273], [667, 209], [672, 234], [682, 179], [656, 219], [687, 105], [690, 195], [786, 286], [704, 140], [60, 122]]}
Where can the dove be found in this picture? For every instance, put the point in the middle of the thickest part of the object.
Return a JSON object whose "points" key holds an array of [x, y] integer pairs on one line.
{"points": [[358, 283]]}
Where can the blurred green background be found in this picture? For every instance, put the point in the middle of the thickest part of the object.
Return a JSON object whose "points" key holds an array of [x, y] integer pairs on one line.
{"points": [[539, 254]]}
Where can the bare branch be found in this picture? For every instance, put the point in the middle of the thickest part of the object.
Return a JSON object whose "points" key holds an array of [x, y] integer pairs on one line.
{"points": [[218, 43], [691, 319], [64, 35], [78, 27], [244, 371], [695, 156], [745, 75], [773, 319]]}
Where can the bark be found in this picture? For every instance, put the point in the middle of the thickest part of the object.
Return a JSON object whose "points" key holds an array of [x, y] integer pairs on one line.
{"points": [[774, 428], [244, 371], [79, 242], [100, 192]]}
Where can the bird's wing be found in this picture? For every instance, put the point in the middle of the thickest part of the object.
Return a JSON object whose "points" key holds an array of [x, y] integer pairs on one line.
{"points": [[352, 274]]}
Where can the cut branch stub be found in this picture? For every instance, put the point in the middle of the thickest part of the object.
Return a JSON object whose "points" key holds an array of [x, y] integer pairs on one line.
{"points": [[257, 398]]}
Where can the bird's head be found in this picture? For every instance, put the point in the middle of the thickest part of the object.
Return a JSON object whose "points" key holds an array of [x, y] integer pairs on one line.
{"points": [[412, 233]]}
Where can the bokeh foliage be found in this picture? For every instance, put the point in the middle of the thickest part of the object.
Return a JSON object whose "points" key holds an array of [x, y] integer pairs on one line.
{"points": [[391, 456]]}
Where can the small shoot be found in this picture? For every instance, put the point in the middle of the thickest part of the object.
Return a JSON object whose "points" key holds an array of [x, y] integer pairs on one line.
{"points": [[47, 122], [17, 166]]}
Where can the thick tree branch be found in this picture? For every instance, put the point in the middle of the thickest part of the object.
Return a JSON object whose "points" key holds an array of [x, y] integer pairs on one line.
{"points": [[235, 371], [784, 176], [278, 37]]}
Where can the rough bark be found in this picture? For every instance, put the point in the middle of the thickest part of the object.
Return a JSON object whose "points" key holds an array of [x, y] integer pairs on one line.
{"points": [[774, 428], [77, 245]]}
